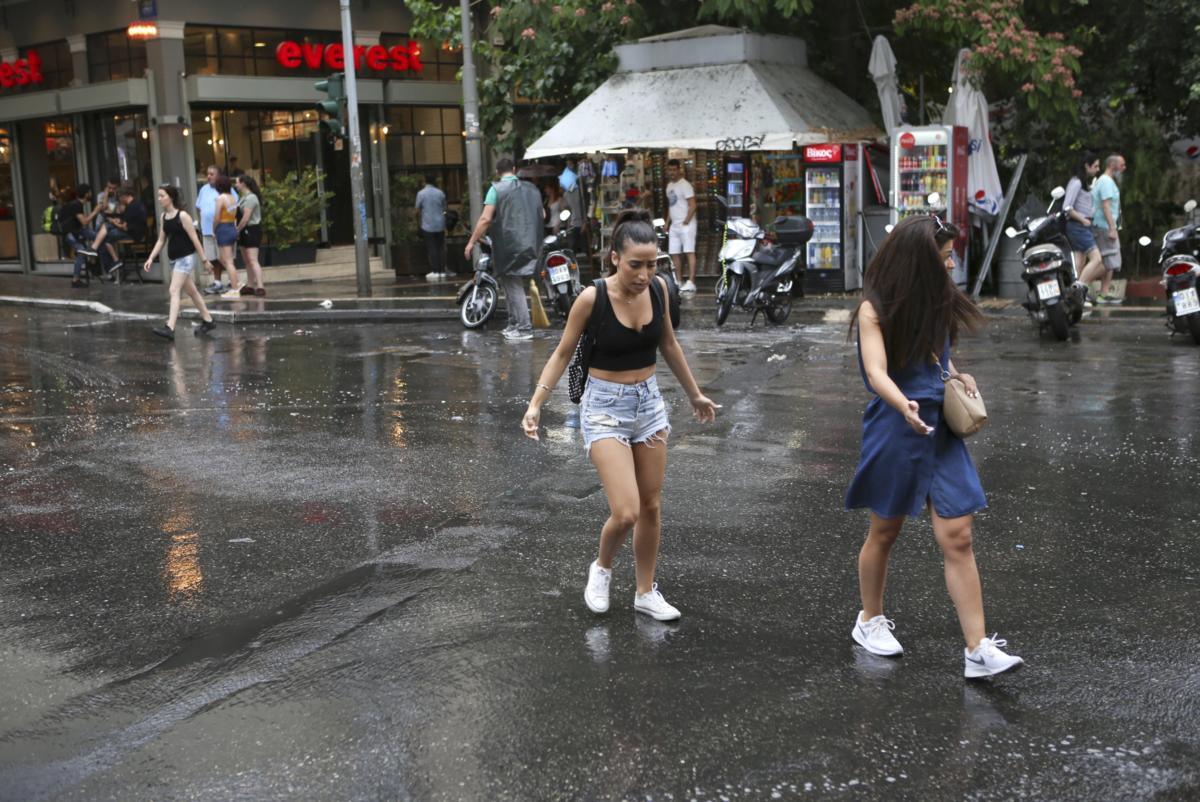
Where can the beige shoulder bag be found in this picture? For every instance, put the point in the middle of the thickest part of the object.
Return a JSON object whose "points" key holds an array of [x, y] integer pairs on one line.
{"points": [[964, 415]]}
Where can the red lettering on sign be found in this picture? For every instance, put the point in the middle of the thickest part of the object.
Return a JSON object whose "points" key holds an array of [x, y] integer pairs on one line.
{"points": [[399, 58], [312, 55], [287, 55], [907, 140], [377, 58], [22, 71], [335, 57]]}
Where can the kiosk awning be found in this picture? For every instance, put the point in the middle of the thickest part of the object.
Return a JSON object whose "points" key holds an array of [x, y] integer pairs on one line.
{"points": [[742, 106]]}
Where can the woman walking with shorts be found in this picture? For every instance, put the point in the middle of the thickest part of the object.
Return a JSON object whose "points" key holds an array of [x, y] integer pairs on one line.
{"points": [[1079, 206], [178, 233], [622, 412], [226, 233], [249, 229], [910, 315]]}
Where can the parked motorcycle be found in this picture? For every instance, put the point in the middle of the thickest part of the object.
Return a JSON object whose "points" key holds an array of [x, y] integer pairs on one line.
{"points": [[1180, 263], [559, 269], [1054, 299], [477, 299], [665, 267], [763, 281]]}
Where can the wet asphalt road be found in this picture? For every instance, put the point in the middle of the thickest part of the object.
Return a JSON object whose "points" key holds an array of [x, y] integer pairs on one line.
{"points": [[322, 563]]}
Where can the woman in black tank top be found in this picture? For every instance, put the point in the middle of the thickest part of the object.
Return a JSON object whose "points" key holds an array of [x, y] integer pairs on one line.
{"points": [[178, 233], [623, 416]]}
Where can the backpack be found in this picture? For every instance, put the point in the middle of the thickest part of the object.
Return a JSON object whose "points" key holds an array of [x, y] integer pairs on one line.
{"points": [[51, 222]]}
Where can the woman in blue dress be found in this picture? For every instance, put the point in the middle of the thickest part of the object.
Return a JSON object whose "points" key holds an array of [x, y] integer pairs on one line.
{"points": [[910, 315]]}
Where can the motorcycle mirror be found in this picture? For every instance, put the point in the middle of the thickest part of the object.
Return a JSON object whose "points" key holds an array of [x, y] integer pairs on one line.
{"points": [[1190, 206], [1057, 193], [659, 222], [1010, 232], [1143, 240], [934, 199], [564, 215]]}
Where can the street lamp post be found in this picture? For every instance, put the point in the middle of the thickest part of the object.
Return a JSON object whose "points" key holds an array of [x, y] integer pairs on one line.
{"points": [[471, 118], [358, 195]]}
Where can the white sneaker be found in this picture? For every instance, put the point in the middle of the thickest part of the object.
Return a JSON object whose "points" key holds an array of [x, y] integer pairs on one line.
{"points": [[433, 276], [214, 288], [988, 659], [518, 334], [688, 286], [654, 605], [232, 292], [876, 636], [595, 595]]}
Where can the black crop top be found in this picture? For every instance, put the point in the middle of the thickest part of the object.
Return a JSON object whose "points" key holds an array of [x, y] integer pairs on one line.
{"points": [[619, 347]]}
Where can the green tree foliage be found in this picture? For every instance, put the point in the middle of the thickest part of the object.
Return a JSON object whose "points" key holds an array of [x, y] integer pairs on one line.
{"points": [[291, 208]]}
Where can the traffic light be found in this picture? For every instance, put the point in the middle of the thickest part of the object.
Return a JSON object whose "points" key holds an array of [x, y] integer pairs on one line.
{"points": [[332, 109]]}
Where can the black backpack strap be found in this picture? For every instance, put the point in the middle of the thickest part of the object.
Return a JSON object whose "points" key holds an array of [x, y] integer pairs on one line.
{"points": [[599, 306], [657, 289]]}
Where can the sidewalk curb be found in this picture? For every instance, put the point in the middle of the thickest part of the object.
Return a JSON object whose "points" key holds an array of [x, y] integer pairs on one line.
{"points": [[57, 303]]}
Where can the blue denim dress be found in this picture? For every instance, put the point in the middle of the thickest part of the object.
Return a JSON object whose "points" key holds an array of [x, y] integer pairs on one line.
{"points": [[899, 471]]}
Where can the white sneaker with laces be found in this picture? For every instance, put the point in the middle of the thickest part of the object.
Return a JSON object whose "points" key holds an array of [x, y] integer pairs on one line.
{"points": [[595, 595], [876, 636], [988, 659], [432, 276], [688, 286], [654, 605], [518, 334], [233, 292]]}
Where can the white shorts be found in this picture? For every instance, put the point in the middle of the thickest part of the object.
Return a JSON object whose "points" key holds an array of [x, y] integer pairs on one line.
{"points": [[210, 247], [683, 238]]}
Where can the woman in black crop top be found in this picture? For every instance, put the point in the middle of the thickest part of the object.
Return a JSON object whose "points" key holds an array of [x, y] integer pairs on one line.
{"points": [[178, 233], [622, 413]]}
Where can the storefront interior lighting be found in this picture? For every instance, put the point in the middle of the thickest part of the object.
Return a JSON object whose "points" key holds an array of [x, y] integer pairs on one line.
{"points": [[384, 130], [145, 134], [210, 141], [260, 44], [142, 30], [422, 133], [207, 119], [187, 131], [221, 142]]}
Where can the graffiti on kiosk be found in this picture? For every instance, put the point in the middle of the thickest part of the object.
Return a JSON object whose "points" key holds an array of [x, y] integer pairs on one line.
{"points": [[741, 142]]}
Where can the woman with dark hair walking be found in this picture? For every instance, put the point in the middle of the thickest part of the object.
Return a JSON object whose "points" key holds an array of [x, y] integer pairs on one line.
{"points": [[1079, 206], [177, 231], [249, 230], [622, 413], [226, 233], [910, 316]]}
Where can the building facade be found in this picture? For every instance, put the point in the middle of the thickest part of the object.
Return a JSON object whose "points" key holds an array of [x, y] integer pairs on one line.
{"points": [[223, 82]]}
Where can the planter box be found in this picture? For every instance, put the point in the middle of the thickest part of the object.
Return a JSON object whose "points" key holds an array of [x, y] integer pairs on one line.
{"points": [[295, 255], [408, 259]]}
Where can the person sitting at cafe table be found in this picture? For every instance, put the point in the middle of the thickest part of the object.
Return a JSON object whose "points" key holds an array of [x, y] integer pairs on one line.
{"points": [[128, 225]]}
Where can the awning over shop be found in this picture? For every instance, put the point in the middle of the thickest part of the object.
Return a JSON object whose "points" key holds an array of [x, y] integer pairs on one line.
{"points": [[759, 96]]}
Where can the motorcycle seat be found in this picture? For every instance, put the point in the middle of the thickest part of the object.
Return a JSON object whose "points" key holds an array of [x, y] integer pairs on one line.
{"points": [[771, 257]]}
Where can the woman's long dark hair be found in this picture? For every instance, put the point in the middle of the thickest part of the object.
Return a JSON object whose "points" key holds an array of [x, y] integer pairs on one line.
{"points": [[1081, 167], [249, 183], [916, 300], [632, 225]]}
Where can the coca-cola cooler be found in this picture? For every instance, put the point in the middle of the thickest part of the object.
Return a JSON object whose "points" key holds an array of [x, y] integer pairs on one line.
{"points": [[833, 186], [929, 160]]}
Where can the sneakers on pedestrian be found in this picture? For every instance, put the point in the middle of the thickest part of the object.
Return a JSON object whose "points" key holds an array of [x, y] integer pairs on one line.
{"points": [[259, 292], [989, 659], [233, 292], [876, 636], [518, 334], [86, 251], [432, 276], [1108, 300], [246, 290], [595, 595], [78, 284], [205, 327], [688, 286], [654, 605], [216, 288], [166, 332], [115, 267]]}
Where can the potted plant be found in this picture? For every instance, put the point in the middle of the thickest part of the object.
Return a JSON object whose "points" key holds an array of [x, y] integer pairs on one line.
{"points": [[407, 254], [291, 212]]}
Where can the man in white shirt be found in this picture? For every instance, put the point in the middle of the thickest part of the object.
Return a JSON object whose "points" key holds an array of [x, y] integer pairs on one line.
{"points": [[206, 209], [681, 223]]}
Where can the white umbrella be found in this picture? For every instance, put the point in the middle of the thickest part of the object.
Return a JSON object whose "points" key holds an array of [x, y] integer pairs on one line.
{"points": [[968, 108], [883, 69]]}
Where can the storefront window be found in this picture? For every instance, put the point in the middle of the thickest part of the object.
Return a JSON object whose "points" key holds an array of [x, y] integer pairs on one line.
{"points": [[428, 140], [121, 151], [55, 65], [60, 154], [113, 56], [263, 143], [8, 221]]}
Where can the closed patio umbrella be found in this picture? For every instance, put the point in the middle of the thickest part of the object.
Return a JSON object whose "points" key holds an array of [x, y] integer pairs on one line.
{"points": [[968, 107], [882, 67]]}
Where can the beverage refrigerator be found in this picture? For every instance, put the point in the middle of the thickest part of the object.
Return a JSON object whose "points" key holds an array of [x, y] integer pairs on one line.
{"points": [[737, 185], [926, 160], [833, 186]]}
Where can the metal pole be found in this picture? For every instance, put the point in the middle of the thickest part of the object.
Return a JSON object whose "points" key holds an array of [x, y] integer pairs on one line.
{"points": [[471, 119], [362, 261], [1001, 216]]}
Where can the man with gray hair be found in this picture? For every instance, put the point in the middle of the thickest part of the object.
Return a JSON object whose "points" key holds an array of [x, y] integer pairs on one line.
{"points": [[1106, 195]]}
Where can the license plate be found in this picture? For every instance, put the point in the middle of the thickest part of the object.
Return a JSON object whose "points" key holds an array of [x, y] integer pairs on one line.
{"points": [[1186, 302], [1048, 290], [560, 274]]}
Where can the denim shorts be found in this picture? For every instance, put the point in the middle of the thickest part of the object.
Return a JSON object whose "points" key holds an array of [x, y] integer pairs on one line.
{"points": [[183, 264], [631, 413], [1080, 236], [226, 234]]}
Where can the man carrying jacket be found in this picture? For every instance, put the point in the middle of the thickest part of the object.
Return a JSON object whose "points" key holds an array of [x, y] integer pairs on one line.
{"points": [[515, 207]]}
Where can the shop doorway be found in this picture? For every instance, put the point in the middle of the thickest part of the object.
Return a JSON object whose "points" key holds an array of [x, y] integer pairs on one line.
{"points": [[339, 209]]}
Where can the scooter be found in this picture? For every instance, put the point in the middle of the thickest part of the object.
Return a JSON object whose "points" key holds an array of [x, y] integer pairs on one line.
{"points": [[1054, 300], [1180, 263], [559, 270], [664, 266], [764, 281], [740, 237], [477, 298]]}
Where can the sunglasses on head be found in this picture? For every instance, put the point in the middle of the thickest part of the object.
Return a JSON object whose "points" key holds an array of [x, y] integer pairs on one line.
{"points": [[940, 225]]}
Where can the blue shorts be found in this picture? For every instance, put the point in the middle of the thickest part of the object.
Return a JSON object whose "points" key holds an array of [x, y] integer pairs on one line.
{"points": [[226, 234], [1080, 236], [631, 413], [183, 264]]}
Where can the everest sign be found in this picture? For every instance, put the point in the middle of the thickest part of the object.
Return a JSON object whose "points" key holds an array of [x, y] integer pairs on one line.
{"points": [[22, 71], [293, 55], [823, 153]]}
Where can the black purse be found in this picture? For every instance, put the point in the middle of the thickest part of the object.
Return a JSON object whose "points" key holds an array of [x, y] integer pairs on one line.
{"points": [[577, 371]]}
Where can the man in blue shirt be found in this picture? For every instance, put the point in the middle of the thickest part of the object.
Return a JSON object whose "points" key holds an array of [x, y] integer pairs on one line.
{"points": [[431, 206], [206, 208], [1106, 219]]}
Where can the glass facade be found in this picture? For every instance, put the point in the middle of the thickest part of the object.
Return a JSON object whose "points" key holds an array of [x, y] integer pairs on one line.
{"points": [[428, 139], [57, 68], [8, 201], [266, 143], [113, 56], [120, 150], [59, 140]]}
